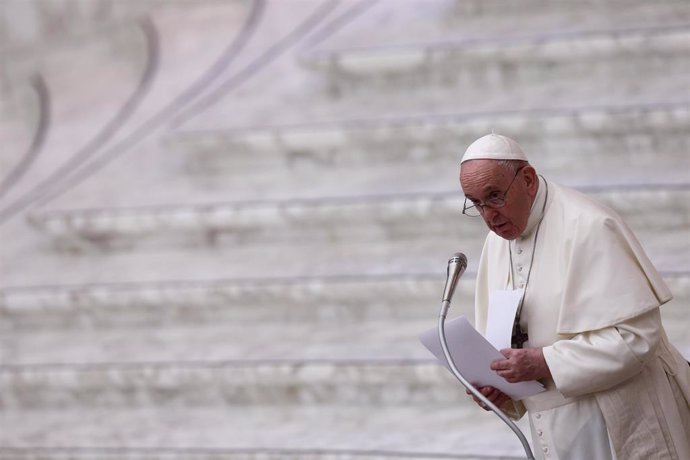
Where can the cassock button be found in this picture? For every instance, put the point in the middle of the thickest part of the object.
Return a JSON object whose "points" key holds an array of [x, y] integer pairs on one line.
{"points": [[520, 251], [537, 416], [519, 268], [546, 450], [540, 433]]}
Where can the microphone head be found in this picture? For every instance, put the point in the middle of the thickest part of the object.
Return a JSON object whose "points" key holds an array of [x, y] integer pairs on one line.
{"points": [[458, 258], [456, 267]]}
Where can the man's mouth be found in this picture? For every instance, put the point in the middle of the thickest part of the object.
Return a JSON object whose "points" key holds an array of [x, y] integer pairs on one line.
{"points": [[502, 228]]}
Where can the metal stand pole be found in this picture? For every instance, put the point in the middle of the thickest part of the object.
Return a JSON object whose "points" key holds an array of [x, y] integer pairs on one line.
{"points": [[444, 344]]}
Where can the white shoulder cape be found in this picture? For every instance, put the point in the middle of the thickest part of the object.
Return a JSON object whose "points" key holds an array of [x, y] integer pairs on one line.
{"points": [[594, 269]]}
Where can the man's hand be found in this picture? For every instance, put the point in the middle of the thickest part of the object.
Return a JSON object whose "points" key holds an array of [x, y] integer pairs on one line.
{"points": [[521, 365], [492, 394]]}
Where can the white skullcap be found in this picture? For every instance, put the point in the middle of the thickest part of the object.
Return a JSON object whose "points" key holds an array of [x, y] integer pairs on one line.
{"points": [[494, 147]]}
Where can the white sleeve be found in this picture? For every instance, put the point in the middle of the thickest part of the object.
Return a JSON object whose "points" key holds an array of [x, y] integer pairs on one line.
{"points": [[597, 360]]}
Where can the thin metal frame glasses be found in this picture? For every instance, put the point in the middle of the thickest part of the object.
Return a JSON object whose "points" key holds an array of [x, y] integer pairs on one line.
{"points": [[496, 200]]}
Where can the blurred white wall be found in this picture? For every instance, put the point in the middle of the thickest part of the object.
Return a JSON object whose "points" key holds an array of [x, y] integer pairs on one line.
{"points": [[223, 224]]}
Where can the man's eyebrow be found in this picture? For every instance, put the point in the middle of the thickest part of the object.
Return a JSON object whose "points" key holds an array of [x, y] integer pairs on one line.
{"points": [[491, 188], [486, 189]]}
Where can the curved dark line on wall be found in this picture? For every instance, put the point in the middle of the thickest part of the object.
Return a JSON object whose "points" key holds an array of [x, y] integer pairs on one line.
{"points": [[27, 160], [339, 22], [45, 195], [106, 133], [257, 64], [212, 73], [145, 129], [229, 55]]}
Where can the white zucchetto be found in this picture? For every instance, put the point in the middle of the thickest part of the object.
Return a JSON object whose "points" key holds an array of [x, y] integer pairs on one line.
{"points": [[494, 147]]}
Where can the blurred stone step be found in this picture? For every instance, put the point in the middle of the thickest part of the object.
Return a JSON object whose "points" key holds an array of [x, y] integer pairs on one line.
{"points": [[232, 454], [327, 333], [234, 384], [262, 432], [311, 223], [372, 363], [498, 73], [392, 21], [660, 215], [582, 145], [504, 8], [417, 247], [247, 262], [317, 301], [511, 63], [221, 341]]}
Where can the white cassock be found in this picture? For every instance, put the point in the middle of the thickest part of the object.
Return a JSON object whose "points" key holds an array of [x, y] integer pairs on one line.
{"points": [[592, 302]]}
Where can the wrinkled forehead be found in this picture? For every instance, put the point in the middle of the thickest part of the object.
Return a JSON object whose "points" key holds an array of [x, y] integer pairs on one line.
{"points": [[478, 177]]}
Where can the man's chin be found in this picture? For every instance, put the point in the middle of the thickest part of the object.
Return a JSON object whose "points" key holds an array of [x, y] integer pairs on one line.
{"points": [[506, 234]]}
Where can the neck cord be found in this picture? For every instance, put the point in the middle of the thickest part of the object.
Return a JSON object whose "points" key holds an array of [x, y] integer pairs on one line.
{"points": [[519, 336]]}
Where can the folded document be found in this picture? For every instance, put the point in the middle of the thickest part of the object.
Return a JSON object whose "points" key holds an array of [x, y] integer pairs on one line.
{"points": [[472, 355]]}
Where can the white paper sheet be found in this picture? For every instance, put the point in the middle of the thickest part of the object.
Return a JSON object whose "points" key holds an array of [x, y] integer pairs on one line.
{"points": [[472, 355], [499, 324]]}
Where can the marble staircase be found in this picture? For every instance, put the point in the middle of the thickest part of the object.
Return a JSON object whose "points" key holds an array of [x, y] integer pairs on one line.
{"points": [[246, 272]]}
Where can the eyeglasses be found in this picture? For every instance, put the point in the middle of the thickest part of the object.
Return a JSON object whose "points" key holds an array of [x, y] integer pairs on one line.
{"points": [[496, 200]]}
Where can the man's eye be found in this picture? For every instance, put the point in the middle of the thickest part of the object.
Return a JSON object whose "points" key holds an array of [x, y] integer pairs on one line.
{"points": [[496, 199]]}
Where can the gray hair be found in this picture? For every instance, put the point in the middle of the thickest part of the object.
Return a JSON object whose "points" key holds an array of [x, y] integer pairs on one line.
{"points": [[512, 165]]}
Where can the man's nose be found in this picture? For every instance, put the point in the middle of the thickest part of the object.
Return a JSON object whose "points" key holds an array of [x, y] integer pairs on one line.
{"points": [[489, 214]]}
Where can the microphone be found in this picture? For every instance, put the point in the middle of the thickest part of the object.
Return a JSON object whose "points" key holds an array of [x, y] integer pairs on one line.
{"points": [[456, 267]]}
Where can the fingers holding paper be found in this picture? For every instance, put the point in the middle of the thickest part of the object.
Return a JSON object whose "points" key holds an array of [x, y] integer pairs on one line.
{"points": [[492, 394], [521, 365]]}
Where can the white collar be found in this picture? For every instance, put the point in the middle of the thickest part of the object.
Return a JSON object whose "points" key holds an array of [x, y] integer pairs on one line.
{"points": [[537, 210]]}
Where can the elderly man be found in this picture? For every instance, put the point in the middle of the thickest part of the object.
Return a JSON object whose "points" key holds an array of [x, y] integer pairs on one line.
{"points": [[587, 323]]}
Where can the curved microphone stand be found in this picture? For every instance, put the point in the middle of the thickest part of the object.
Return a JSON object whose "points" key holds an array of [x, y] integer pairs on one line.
{"points": [[442, 335]]}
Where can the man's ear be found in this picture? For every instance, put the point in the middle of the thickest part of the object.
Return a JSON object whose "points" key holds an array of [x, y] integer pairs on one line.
{"points": [[531, 180]]}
